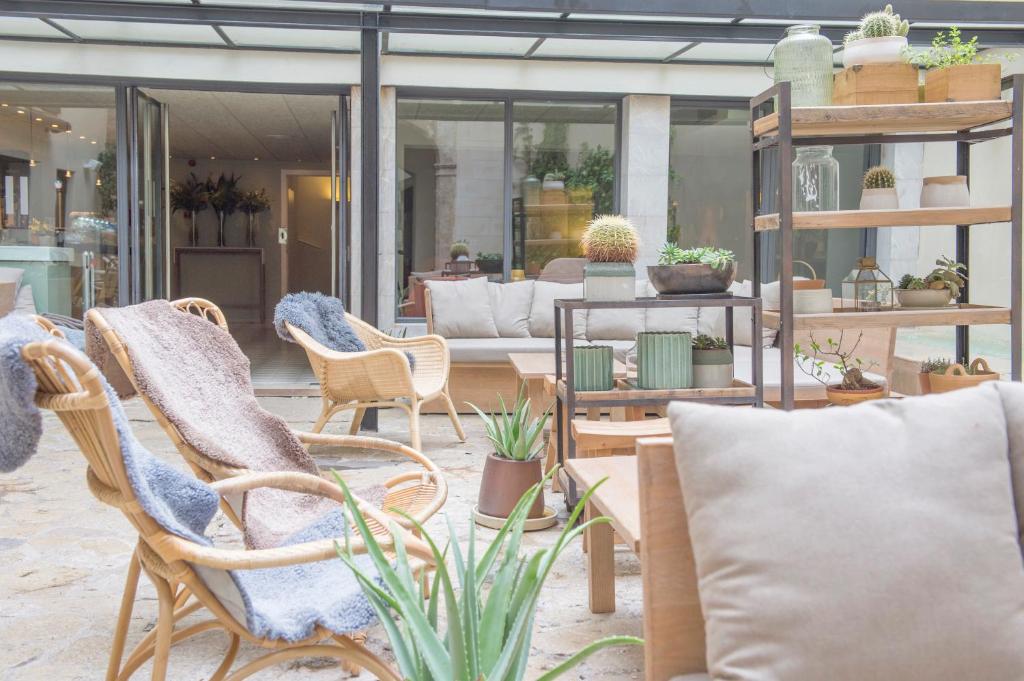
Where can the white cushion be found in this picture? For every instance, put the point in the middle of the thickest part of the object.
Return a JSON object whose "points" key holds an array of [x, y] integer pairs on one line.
{"points": [[621, 324], [495, 350], [462, 309], [670, 319], [878, 541], [510, 305], [542, 310], [712, 319]]}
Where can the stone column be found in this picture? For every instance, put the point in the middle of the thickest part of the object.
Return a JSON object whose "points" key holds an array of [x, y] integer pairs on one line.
{"points": [[387, 240], [355, 271], [897, 247], [445, 189], [643, 185]]}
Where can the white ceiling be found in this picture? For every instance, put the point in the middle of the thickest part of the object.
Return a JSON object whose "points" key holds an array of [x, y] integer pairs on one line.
{"points": [[246, 126]]}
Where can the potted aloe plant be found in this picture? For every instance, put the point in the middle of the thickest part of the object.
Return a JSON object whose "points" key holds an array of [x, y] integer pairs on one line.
{"points": [[853, 386], [610, 245], [943, 375], [712, 362], [881, 38], [936, 289], [957, 71], [879, 191], [515, 465], [705, 269]]}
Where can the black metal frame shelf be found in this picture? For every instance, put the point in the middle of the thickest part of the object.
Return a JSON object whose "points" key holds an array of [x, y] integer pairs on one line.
{"points": [[772, 126]]}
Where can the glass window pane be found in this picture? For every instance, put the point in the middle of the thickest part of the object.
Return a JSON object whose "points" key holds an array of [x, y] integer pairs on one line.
{"points": [[458, 44], [33, 28], [137, 32], [450, 189], [58, 194], [257, 36], [563, 173], [607, 49]]}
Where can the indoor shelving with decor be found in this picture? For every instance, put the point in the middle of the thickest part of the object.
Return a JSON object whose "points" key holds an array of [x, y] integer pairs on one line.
{"points": [[776, 124]]}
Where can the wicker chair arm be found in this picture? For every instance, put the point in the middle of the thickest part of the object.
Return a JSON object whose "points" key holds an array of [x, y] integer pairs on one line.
{"points": [[363, 442], [201, 307]]}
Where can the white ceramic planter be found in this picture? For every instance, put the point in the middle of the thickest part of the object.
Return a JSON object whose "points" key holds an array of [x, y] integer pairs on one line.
{"points": [[886, 50], [947, 191], [927, 297], [879, 199]]}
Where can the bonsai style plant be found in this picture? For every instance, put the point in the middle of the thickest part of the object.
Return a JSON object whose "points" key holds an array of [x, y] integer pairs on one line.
{"points": [[610, 244], [191, 197], [705, 269], [490, 263], [224, 196], [942, 375], [881, 38], [482, 628], [957, 72], [515, 465], [459, 254], [936, 289], [853, 386], [252, 203], [712, 362], [879, 191]]}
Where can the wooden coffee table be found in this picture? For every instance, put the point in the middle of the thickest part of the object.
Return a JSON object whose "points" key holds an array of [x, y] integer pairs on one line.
{"points": [[619, 499]]}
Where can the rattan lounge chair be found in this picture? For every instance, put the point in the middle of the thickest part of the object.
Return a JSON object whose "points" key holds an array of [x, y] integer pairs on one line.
{"points": [[418, 494], [380, 377], [70, 385]]}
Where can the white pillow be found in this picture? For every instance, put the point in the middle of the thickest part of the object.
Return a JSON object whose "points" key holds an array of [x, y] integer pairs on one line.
{"points": [[510, 304], [871, 542], [542, 310], [462, 309], [712, 319], [670, 319], [621, 324]]}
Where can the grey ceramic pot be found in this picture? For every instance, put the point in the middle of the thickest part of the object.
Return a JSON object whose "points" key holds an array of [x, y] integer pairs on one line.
{"points": [[696, 278]]}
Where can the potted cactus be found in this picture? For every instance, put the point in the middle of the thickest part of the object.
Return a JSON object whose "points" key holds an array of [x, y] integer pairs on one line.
{"points": [[943, 375], [705, 269], [879, 191], [712, 362], [459, 254], [610, 245], [957, 71], [854, 386], [881, 38], [936, 289]]}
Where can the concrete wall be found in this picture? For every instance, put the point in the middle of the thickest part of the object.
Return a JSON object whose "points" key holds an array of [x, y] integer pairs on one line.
{"points": [[643, 182]]}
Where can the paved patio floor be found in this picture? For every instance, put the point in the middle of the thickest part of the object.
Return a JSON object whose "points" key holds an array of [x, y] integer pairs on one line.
{"points": [[64, 556]]}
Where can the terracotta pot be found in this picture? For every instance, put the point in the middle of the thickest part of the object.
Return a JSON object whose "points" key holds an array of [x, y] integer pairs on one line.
{"points": [[925, 382], [844, 398], [505, 481], [691, 278], [956, 377], [925, 297]]}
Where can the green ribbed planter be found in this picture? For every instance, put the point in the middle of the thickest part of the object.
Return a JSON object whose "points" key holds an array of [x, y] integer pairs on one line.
{"points": [[664, 361], [592, 367]]}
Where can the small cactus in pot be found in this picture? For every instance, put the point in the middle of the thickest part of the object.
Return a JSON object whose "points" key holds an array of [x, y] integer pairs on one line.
{"points": [[884, 24], [610, 244], [881, 38], [879, 191], [459, 249]]}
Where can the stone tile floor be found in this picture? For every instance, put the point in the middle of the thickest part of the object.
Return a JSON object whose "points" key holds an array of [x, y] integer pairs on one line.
{"points": [[63, 558]]}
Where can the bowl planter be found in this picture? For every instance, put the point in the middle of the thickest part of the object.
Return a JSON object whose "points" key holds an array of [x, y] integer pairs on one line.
{"points": [[886, 50], [609, 281], [505, 481], [691, 278], [712, 368], [945, 191], [489, 265], [843, 398], [592, 368], [956, 377], [879, 199], [925, 297], [664, 360], [963, 83]]}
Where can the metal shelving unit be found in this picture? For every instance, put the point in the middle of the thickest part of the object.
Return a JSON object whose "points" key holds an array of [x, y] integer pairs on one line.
{"points": [[965, 123]]}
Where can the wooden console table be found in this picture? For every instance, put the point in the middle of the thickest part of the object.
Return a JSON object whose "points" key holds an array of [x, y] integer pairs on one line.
{"points": [[222, 289]]}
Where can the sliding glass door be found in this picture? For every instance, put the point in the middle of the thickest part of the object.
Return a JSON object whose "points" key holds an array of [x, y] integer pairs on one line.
{"points": [[151, 274]]}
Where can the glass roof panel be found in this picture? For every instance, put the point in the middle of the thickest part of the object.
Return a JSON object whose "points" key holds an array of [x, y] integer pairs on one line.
{"points": [[458, 44], [464, 11], [298, 4], [32, 28], [652, 17], [254, 36], [728, 52], [130, 31], [610, 49]]}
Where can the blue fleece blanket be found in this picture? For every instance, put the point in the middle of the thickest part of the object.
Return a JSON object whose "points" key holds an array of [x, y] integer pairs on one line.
{"points": [[280, 603]]}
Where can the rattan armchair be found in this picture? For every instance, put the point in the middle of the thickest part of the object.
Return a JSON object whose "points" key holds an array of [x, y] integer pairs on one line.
{"points": [[70, 385], [380, 377]]}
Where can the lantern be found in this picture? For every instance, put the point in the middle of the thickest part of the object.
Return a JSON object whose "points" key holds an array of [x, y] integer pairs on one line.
{"points": [[867, 288]]}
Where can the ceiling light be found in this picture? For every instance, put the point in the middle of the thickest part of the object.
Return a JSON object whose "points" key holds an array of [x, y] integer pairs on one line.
{"points": [[92, 141], [21, 111], [255, 158], [32, 163], [52, 125], [213, 158], [81, 137], [39, 119], [5, 105]]}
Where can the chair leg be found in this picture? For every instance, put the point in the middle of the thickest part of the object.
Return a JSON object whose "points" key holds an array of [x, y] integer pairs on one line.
{"points": [[454, 416], [414, 426], [164, 628], [357, 421], [123, 618], [325, 416]]}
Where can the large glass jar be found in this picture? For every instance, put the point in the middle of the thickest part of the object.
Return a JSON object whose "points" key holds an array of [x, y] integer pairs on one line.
{"points": [[804, 58], [815, 180]]}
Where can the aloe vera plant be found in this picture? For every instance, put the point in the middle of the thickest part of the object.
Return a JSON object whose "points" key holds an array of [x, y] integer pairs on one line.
{"points": [[514, 435], [484, 635]]}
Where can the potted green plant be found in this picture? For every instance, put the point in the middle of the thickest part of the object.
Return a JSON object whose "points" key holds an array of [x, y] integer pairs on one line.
{"points": [[459, 254], [484, 629], [853, 386], [516, 464], [610, 244], [881, 38], [252, 203], [879, 191], [191, 197], [705, 269], [936, 289], [944, 375], [554, 181], [224, 196], [712, 362], [957, 72], [489, 263]]}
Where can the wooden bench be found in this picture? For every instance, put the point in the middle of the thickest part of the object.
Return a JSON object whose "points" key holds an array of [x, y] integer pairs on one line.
{"points": [[600, 438]]}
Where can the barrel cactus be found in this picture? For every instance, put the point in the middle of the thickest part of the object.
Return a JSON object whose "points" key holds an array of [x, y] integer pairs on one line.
{"points": [[459, 249], [610, 238], [883, 24], [879, 177]]}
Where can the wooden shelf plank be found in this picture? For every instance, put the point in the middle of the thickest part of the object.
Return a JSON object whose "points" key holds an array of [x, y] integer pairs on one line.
{"points": [[965, 314], [903, 217], [626, 391], [888, 118]]}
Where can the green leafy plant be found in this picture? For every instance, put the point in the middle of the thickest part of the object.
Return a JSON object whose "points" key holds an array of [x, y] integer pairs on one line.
{"points": [[190, 196], [718, 258], [938, 365], [515, 435], [948, 49], [610, 238], [908, 282], [706, 342], [106, 180], [488, 256], [458, 249], [819, 360], [948, 274], [596, 171], [879, 177], [223, 194], [484, 633], [253, 202]]}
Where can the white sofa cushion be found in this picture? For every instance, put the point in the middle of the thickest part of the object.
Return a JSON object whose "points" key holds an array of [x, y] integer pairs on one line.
{"points": [[670, 319], [621, 324], [462, 309], [510, 305], [878, 541], [495, 350], [712, 319], [542, 310]]}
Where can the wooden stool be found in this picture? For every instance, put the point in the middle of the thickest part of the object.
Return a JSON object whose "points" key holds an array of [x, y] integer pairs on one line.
{"points": [[604, 438]]}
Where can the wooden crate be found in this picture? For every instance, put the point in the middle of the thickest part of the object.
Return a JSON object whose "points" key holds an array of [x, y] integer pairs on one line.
{"points": [[876, 84], [963, 83]]}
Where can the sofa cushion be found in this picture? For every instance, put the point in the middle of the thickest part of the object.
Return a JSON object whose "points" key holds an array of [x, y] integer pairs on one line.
{"points": [[712, 319], [542, 309], [871, 542], [510, 305], [495, 350], [621, 324], [670, 319], [462, 309]]}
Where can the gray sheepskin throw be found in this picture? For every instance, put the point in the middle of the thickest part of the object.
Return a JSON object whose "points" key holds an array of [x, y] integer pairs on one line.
{"points": [[198, 378], [323, 318], [279, 603]]}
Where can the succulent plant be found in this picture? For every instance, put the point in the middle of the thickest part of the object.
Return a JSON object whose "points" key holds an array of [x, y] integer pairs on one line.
{"points": [[947, 274], [908, 282], [706, 342], [718, 258], [879, 177], [610, 238], [937, 365], [459, 249], [883, 24]]}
